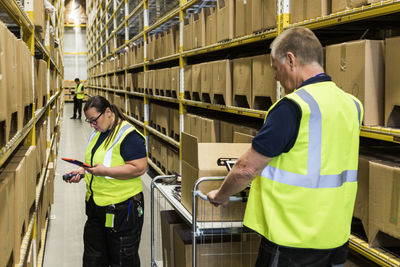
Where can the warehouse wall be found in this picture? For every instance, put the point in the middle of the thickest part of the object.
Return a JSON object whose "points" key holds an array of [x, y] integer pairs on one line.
{"points": [[74, 46]]}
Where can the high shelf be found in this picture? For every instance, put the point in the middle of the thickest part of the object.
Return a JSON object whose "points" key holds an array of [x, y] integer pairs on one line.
{"points": [[38, 120], [121, 39]]}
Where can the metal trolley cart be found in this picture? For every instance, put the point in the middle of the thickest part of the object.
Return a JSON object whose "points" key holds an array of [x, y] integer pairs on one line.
{"points": [[212, 242]]}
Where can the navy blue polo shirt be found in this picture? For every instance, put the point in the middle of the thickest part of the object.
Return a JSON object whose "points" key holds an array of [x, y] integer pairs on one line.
{"points": [[132, 147], [279, 132]]}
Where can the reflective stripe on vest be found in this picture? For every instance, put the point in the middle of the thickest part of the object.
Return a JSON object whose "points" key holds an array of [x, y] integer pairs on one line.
{"points": [[313, 178], [108, 155]]}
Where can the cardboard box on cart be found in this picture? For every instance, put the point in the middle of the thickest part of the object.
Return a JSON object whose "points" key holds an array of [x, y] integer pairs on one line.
{"points": [[200, 160]]}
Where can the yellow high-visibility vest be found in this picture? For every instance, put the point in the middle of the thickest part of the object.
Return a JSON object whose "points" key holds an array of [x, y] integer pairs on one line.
{"points": [[79, 92], [107, 190], [305, 198]]}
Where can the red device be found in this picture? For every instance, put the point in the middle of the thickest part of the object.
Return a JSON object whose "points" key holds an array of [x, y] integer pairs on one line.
{"points": [[77, 162]]}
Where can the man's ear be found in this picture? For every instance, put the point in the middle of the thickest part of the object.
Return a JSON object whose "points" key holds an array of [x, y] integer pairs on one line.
{"points": [[290, 59]]}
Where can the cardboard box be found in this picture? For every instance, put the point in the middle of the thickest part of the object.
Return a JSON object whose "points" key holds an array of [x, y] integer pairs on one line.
{"points": [[209, 131], [225, 14], [39, 18], [18, 171], [392, 82], [11, 72], [195, 125], [174, 123], [384, 192], [242, 138], [308, 9], [263, 83], [173, 161], [30, 178], [200, 160], [162, 119], [340, 5], [7, 223], [206, 81], [188, 81], [221, 92], [169, 220], [196, 82], [243, 17], [358, 68], [167, 80], [217, 250], [187, 34], [211, 25], [199, 29], [175, 82], [263, 15], [226, 132], [242, 82], [3, 81]]}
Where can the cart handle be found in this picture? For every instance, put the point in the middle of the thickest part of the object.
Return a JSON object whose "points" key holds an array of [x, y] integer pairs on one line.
{"points": [[231, 198], [198, 193]]}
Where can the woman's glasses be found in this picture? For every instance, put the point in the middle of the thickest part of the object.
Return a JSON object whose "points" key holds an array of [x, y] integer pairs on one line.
{"points": [[94, 121]]}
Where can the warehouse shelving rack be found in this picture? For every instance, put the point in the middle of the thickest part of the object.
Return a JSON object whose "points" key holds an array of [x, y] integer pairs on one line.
{"points": [[17, 16], [99, 52]]}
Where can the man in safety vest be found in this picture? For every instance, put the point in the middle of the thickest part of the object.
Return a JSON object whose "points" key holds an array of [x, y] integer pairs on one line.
{"points": [[302, 164], [78, 98]]}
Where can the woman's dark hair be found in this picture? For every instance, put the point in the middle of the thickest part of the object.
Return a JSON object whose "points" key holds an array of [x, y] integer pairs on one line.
{"points": [[101, 104]]}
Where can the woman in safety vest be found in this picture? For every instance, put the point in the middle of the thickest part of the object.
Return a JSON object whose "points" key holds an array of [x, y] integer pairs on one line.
{"points": [[114, 199]]}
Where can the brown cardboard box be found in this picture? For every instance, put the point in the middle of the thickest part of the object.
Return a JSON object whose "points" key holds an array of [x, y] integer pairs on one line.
{"points": [[226, 132], [187, 34], [162, 119], [195, 125], [340, 5], [173, 161], [242, 138], [199, 29], [18, 172], [167, 80], [3, 81], [217, 250], [358, 68], [175, 82], [242, 81], [169, 220], [39, 17], [150, 81], [210, 130], [174, 123], [30, 179], [225, 14], [206, 81], [22, 96], [7, 210], [221, 92], [163, 157], [243, 17], [200, 160], [211, 25], [11, 72], [384, 192], [140, 80], [188, 81], [263, 15], [308, 9], [392, 82], [264, 83], [196, 82]]}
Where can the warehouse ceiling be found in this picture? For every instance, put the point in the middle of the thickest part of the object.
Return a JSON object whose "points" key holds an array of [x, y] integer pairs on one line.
{"points": [[75, 12]]}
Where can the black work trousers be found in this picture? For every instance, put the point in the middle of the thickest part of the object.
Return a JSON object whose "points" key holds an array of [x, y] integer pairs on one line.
{"points": [[273, 255], [77, 107], [117, 245]]}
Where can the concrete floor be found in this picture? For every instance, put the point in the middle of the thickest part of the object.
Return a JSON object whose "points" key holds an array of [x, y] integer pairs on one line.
{"points": [[64, 245]]}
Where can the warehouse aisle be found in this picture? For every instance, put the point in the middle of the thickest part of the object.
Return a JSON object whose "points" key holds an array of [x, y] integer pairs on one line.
{"points": [[64, 247]]}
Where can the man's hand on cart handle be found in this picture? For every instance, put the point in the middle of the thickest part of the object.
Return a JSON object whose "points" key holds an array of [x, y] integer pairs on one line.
{"points": [[216, 200]]}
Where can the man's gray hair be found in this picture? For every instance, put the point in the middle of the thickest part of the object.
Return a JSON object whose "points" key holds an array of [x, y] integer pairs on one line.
{"points": [[302, 42]]}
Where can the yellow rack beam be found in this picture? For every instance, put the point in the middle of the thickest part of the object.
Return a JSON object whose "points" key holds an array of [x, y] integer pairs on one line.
{"points": [[17, 14], [162, 136], [155, 167], [381, 133], [376, 255]]}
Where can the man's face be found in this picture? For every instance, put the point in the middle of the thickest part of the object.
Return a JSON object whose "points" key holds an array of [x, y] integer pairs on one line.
{"points": [[77, 82], [284, 73]]}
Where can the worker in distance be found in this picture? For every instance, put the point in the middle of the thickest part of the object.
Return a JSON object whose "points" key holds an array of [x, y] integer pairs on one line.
{"points": [[303, 163]]}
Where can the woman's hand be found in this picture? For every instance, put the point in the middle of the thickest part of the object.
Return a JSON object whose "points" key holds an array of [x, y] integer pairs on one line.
{"points": [[76, 175], [98, 170]]}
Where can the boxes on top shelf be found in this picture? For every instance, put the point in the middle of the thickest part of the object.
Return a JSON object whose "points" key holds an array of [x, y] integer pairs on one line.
{"points": [[225, 13], [358, 68], [199, 29], [211, 25], [243, 17], [196, 82], [39, 18], [308, 9], [263, 15], [3, 81], [340, 5], [187, 34], [392, 83], [200, 160]]}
